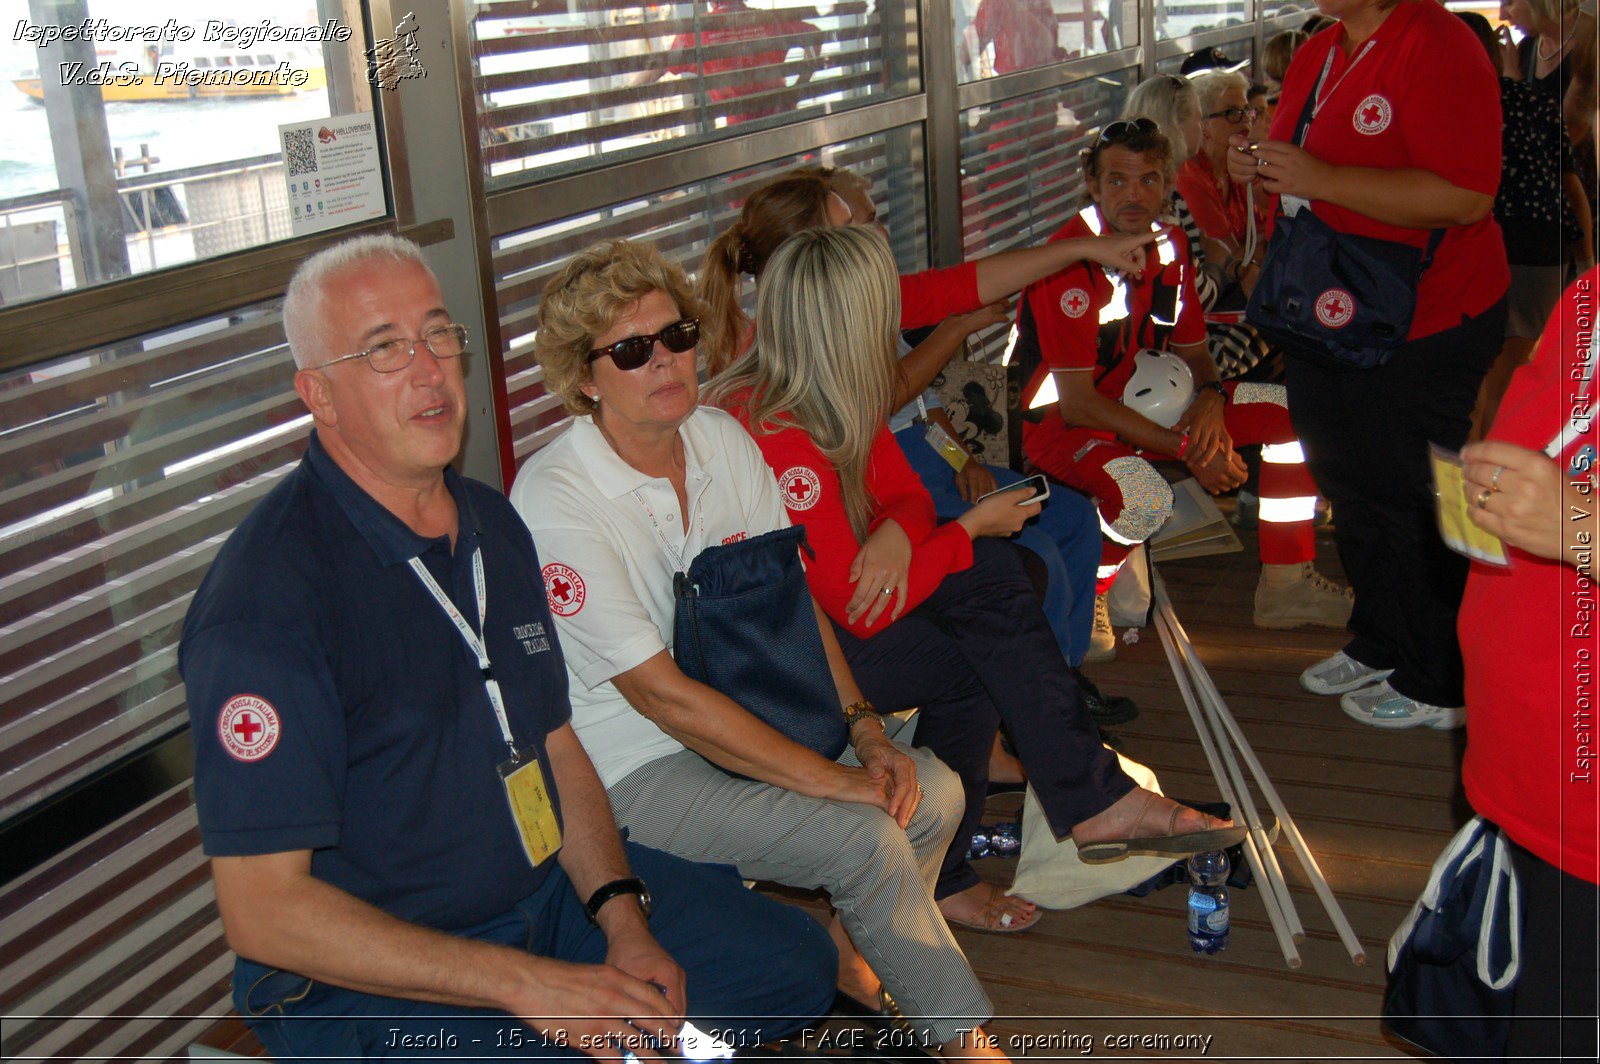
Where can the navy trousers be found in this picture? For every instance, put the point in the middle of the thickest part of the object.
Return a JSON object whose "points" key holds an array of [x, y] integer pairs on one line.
{"points": [[757, 970], [975, 652], [1366, 435], [1065, 536]]}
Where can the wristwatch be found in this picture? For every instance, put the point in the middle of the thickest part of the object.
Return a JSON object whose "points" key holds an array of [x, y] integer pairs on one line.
{"points": [[1215, 386], [631, 885]]}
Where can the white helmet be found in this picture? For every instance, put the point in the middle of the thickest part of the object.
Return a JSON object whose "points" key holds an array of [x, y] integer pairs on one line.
{"points": [[1161, 388]]}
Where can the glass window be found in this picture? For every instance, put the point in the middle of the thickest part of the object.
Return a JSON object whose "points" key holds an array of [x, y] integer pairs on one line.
{"points": [[155, 141], [995, 37], [1020, 175], [122, 470], [556, 92], [1184, 18], [682, 222]]}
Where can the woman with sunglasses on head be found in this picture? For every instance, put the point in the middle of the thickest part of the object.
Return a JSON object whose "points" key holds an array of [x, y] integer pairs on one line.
{"points": [[643, 481], [1237, 220], [1403, 140], [929, 615]]}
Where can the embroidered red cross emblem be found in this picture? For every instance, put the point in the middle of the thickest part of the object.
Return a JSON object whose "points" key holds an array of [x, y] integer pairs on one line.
{"points": [[561, 589], [1075, 301], [247, 727], [564, 590], [1371, 114], [799, 489]]}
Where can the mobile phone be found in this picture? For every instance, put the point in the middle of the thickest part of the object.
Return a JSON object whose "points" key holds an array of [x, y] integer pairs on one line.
{"points": [[1037, 482]]}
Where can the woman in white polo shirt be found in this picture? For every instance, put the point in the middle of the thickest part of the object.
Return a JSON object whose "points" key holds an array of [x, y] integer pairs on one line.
{"points": [[642, 482]]}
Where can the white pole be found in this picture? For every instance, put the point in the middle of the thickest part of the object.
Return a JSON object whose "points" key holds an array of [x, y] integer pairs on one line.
{"points": [[1280, 928], [1291, 831], [1270, 872]]}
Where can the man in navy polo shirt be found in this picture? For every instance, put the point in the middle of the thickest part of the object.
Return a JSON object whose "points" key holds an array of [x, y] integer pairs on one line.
{"points": [[412, 853]]}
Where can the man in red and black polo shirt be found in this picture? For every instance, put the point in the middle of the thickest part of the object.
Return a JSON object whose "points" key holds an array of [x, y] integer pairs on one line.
{"points": [[1078, 332]]}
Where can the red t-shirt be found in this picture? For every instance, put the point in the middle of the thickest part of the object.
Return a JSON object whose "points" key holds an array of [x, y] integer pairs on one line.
{"points": [[1423, 96], [1223, 218], [1066, 311], [1024, 33], [721, 37], [810, 488], [1528, 632]]}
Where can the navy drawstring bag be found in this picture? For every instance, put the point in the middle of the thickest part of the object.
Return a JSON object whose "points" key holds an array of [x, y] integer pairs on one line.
{"points": [[1337, 299], [1453, 963], [743, 624]]}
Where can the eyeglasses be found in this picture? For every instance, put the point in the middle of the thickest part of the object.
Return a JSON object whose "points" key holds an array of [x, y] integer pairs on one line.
{"points": [[391, 356], [635, 351], [1123, 128], [1235, 115]]}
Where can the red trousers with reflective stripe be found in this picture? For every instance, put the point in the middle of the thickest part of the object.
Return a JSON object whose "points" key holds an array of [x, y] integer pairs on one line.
{"points": [[1079, 458]]}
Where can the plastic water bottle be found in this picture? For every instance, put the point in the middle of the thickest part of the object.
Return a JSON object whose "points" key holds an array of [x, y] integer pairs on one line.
{"points": [[1208, 902]]}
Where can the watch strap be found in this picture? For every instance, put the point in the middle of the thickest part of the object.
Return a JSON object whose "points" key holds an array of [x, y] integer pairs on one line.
{"points": [[1218, 387], [627, 885]]}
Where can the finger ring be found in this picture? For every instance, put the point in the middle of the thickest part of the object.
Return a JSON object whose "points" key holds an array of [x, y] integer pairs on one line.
{"points": [[1483, 498], [887, 591], [1494, 479], [1260, 163]]}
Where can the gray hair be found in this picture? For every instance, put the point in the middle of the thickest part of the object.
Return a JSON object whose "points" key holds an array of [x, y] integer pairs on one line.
{"points": [[1210, 86], [302, 302], [1167, 100]]}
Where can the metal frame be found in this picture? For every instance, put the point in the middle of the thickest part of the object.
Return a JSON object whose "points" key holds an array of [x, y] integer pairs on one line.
{"points": [[88, 317]]}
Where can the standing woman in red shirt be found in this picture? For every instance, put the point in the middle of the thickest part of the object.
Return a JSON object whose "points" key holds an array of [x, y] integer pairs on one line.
{"points": [[1404, 139]]}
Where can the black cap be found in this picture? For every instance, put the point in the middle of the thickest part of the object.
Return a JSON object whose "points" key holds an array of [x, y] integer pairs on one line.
{"points": [[1205, 59]]}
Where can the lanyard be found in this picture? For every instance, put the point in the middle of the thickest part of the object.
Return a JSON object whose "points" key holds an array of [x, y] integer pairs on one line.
{"points": [[695, 518], [470, 637], [1575, 428], [1316, 92], [922, 408]]}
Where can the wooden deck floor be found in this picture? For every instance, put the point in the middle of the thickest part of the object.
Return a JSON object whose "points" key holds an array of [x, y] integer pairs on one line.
{"points": [[1375, 807]]}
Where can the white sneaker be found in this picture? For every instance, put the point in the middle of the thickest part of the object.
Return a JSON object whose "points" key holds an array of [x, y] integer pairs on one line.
{"points": [[1309, 598], [1383, 707], [1340, 673], [1103, 639]]}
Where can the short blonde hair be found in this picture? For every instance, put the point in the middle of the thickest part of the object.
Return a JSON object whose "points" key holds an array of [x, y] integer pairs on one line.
{"points": [[824, 358], [1558, 14], [584, 300], [1169, 101]]}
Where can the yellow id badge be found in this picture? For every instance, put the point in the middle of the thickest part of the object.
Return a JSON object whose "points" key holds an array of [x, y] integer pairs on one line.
{"points": [[1455, 527], [948, 446], [531, 808]]}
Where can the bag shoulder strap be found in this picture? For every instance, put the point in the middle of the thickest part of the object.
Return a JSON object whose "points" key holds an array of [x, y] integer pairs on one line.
{"points": [[1303, 127]]}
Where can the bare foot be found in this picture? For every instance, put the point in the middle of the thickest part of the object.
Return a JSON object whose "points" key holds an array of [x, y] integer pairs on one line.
{"points": [[986, 907], [1142, 814], [1004, 767]]}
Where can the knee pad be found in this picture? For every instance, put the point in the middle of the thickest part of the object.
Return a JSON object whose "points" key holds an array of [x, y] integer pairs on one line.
{"points": [[1146, 500]]}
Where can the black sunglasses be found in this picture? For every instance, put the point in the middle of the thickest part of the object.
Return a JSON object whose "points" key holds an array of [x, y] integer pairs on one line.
{"points": [[1123, 128], [635, 351], [1234, 115]]}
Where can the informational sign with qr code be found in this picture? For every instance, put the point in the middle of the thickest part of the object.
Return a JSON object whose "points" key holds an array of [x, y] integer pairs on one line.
{"points": [[333, 172]]}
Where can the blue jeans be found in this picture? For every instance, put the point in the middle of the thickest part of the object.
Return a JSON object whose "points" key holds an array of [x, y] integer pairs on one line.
{"points": [[757, 970], [1066, 536]]}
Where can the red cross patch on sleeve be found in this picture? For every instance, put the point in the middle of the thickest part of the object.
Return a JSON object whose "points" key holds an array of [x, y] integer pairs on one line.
{"points": [[248, 727], [801, 488], [564, 589]]}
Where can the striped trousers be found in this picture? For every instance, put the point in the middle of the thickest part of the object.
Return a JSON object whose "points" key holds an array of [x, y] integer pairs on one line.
{"points": [[879, 878]]}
